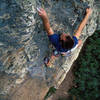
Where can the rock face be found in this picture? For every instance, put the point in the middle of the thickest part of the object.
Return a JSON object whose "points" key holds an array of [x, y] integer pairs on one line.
{"points": [[97, 3], [24, 44]]}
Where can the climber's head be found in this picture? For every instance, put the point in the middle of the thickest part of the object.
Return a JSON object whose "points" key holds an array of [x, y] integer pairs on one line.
{"points": [[66, 41]]}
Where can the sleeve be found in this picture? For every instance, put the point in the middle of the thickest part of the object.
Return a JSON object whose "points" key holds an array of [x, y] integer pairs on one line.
{"points": [[54, 39], [75, 40]]}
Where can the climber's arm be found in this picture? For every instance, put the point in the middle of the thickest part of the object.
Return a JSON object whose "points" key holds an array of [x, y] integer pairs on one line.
{"points": [[43, 15], [83, 23]]}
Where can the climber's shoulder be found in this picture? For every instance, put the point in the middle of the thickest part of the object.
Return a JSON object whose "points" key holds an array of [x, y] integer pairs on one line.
{"points": [[77, 40]]}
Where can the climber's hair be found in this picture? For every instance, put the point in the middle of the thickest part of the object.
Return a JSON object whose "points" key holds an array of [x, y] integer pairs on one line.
{"points": [[68, 43]]}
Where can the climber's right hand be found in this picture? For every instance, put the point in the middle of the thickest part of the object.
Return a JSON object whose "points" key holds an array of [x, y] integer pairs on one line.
{"points": [[89, 11], [42, 13]]}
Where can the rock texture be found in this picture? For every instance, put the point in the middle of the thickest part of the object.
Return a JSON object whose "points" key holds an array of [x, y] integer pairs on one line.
{"points": [[24, 44], [97, 4]]}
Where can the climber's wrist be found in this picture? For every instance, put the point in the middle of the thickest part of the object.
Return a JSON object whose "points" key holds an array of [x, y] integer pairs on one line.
{"points": [[88, 14], [88, 11], [45, 18]]}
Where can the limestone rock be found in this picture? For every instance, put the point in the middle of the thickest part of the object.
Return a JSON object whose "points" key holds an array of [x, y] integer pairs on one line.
{"points": [[97, 4], [24, 44]]}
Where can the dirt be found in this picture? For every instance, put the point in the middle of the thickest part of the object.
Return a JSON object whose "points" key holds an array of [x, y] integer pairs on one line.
{"points": [[62, 92], [31, 89]]}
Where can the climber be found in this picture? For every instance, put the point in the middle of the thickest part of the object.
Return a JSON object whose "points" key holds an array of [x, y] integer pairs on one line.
{"points": [[63, 42]]}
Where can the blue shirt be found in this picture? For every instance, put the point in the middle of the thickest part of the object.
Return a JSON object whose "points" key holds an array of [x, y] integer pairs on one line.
{"points": [[55, 41]]}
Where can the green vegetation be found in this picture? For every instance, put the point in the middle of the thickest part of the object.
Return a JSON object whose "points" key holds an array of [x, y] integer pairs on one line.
{"points": [[87, 75], [50, 92]]}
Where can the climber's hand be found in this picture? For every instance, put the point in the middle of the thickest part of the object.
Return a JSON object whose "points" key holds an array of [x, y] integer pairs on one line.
{"points": [[42, 13], [89, 11]]}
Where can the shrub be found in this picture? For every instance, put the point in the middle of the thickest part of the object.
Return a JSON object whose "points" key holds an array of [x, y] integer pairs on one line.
{"points": [[87, 76], [51, 91]]}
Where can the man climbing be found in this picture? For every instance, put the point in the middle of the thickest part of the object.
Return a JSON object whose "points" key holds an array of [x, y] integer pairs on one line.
{"points": [[64, 42]]}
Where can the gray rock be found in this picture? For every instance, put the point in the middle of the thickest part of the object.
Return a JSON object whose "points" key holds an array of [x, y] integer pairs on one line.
{"points": [[97, 4], [24, 44]]}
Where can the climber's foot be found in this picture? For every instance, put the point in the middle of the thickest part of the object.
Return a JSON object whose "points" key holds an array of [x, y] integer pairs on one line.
{"points": [[46, 61], [49, 61]]}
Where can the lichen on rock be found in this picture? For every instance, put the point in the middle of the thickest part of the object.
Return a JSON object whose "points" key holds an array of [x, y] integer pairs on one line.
{"points": [[24, 44]]}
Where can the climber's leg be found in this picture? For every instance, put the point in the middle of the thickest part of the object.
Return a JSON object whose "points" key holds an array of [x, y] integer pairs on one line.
{"points": [[49, 61]]}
